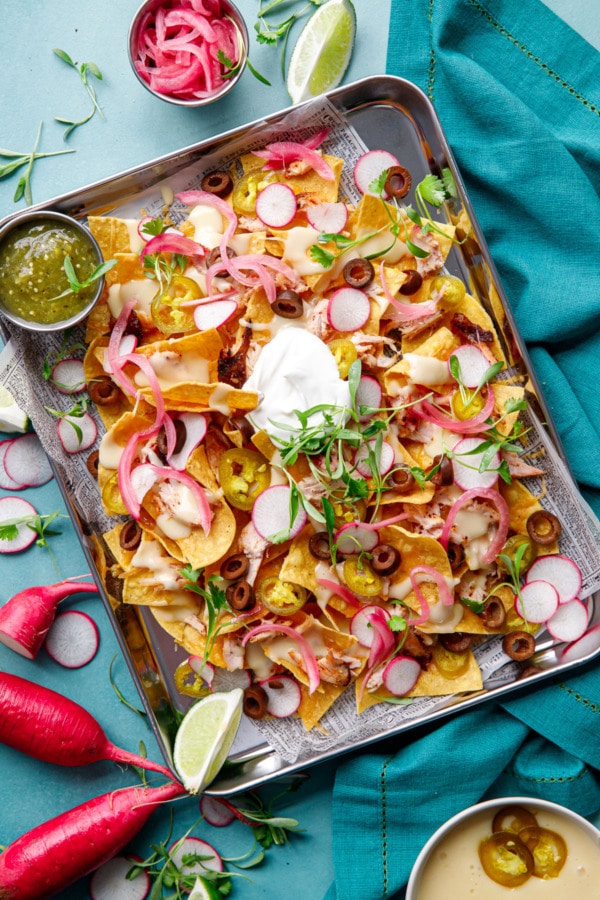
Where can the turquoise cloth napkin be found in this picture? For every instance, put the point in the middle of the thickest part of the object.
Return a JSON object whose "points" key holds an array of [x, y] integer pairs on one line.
{"points": [[518, 96]]}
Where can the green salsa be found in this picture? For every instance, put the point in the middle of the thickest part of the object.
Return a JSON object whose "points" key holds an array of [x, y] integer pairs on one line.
{"points": [[32, 271]]}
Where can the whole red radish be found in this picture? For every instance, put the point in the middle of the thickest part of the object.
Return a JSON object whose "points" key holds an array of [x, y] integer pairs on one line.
{"points": [[26, 618], [58, 852], [52, 728]]}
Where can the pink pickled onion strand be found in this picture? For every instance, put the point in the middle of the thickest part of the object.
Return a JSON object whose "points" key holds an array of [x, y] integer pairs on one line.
{"points": [[198, 492], [115, 361], [410, 311], [423, 604], [315, 140], [433, 574], [125, 466], [169, 242], [499, 502], [340, 590], [197, 198], [375, 526], [308, 656], [225, 295], [474, 425], [198, 22], [281, 153], [143, 363], [383, 638]]}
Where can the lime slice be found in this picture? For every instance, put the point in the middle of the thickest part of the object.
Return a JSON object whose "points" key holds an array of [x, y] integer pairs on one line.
{"points": [[12, 417], [202, 890], [205, 736], [323, 51]]}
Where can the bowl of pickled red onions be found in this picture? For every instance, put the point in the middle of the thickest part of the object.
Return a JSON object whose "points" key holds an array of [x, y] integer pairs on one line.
{"points": [[188, 52]]}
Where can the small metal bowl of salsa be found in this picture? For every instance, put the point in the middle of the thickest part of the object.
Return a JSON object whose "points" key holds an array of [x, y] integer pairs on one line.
{"points": [[35, 292]]}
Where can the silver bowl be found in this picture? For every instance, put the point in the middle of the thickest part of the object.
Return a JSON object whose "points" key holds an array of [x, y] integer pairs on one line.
{"points": [[41, 216], [431, 854], [230, 11]]}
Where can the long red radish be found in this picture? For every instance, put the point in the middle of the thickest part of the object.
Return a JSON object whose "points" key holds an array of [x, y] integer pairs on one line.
{"points": [[26, 462], [73, 639], [50, 727], [58, 852], [26, 618], [11, 510]]}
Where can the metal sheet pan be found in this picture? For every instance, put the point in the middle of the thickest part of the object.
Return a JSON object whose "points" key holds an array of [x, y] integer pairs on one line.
{"points": [[389, 113]]}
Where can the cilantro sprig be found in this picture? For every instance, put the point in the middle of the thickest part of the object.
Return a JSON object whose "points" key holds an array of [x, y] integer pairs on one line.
{"points": [[274, 33], [75, 285], [84, 70], [215, 604]]}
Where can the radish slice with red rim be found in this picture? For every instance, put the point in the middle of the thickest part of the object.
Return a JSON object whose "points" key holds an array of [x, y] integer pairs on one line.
{"points": [[214, 314], [569, 622], [328, 218], [26, 461], [77, 433], [68, 376], [276, 205], [560, 571], [12, 508], [401, 674], [348, 309], [127, 345], [195, 847], [466, 461], [215, 811], [283, 695], [225, 680], [6, 482], [204, 669], [368, 397], [73, 639], [271, 515], [537, 602], [366, 456], [354, 538], [110, 880], [361, 626], [472, 363], [587, 644], [370, 166]]}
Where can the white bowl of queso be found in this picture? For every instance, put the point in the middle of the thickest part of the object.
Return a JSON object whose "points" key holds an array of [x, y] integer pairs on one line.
{"points": [[455, 859]]}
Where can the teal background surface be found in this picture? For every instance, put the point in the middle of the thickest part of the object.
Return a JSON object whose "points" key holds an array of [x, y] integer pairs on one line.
{"points": [[35, 86]]}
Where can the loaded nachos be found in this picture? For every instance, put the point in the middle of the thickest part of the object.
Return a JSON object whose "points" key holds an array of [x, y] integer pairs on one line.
{"points": [[313, 448]]}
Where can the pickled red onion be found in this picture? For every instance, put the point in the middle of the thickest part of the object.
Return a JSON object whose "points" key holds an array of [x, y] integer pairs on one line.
{"points": [[153, 473], [169, 242], [383, 639], [409, 311], [474, 425], [308, 656], [499, 502], [280, 154], [339, 590]]}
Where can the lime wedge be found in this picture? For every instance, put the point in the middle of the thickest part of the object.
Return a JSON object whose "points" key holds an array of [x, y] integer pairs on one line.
{"points": [[323, 51], [12, 417], [205, 736], [203, 890]]}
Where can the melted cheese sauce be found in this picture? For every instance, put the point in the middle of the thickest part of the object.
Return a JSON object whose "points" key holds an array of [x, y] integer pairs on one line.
{"points": [[455, 862]]}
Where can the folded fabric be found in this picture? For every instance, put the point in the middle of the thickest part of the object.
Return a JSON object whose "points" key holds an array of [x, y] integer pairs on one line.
{"points": [[518, 96]]}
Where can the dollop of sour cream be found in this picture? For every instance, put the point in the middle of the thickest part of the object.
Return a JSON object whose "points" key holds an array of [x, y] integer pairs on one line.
{"points": [[295, 370]]}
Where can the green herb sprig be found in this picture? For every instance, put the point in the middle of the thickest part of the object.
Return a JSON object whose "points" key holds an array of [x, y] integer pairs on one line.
{"points": [[77, 411], [215, 603], [75, 285], [67, 349], [18, 159], [84, 70], [271, 33]]}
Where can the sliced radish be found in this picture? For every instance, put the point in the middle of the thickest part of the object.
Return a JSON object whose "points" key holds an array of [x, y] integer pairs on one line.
{"points": [[473, 364], [354, 538], [215, 811], [589, 643], [466, 462], [204, 669], [401, 674], [12, 508], [110, 880], [26, 461], [538, 601], [225, 680], [569, 622], [271, 515], [68, 376], [348, 309], [207, 856], [73, 639], [283, 695], [276, 205], [364, 454], [361, 626], [214, 314], [370, 166], [329, 218], [560, 571], [77, 433], [196, 427], [368, 396], [127, 345], [6, 482]]}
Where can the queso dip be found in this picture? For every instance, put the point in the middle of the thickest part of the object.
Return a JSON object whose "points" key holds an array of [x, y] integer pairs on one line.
{"points": [[453, 867]]}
